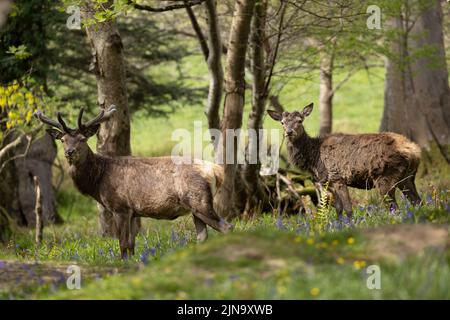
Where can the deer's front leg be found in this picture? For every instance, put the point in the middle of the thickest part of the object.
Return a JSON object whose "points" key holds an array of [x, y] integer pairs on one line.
{"points": [[341, 191], [123, 223]]}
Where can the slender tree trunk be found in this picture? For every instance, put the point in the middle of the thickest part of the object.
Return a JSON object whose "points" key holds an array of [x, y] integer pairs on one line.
{"points": [[108, 64], [257, 198], [212, 51], [39, 228], [417, 93], [326, 94], [215, 68], [234, 100]]}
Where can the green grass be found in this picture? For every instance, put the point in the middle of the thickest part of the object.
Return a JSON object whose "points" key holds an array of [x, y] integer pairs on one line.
{"points": [[277, 265], [267, 257]]}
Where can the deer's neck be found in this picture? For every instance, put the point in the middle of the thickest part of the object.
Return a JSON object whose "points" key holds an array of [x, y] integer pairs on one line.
{"points": [[303, 151], [87, 174]]}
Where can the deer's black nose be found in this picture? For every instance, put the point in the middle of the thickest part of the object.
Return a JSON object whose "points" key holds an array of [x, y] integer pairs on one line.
{"points": [[289, 132], [69, 152]]}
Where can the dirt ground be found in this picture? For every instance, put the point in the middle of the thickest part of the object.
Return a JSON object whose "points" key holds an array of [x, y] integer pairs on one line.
{"points": [[17, 279]]}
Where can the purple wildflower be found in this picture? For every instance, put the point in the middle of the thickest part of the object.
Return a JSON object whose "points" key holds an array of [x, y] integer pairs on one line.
{"points": [[429, 199], [144, 256], [280, 224]]}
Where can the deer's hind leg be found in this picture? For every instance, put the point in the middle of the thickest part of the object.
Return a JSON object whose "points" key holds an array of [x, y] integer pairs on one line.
{"points": [[201, 229], [201, 206]]}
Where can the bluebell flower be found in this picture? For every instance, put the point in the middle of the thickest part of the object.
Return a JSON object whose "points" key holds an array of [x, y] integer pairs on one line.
{"points": [[209, 282], [279, 224], [429, 199], [174, 236], [447, 207], [233, 277], [144, 256]]}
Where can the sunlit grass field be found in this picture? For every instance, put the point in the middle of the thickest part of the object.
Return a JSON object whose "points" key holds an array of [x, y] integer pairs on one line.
{"points": [[267, 257]]}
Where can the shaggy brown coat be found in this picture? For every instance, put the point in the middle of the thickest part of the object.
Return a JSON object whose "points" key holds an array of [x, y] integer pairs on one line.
{"points": [[385, 160]]}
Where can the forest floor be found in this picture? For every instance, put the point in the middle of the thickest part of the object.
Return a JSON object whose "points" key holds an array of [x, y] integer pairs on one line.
{"points": [[266, 257]]}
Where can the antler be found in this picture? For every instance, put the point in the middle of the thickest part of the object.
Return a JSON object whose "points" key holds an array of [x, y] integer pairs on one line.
{"points": [[101, 117], [61, 125]]}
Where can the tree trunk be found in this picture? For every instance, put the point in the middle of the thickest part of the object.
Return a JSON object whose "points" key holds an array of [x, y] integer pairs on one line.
{"points": [[215, 68], [234, 101], [257, 197], [17, 191], [397, 76], [37, 163], [417, 92], [4, 227], [430, 85], [326, 94], [9, 198], [109, 67]]}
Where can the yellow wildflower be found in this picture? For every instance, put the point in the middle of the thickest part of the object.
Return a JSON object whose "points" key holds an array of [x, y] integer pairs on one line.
{"points": [[340, 260], [315, 291], [350, 241], [310, 241], [359, 264], [281, 289]]}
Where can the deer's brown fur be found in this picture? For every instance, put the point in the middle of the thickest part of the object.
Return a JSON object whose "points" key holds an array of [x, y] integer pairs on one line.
{"points": [[159, 188], [385, 160]]}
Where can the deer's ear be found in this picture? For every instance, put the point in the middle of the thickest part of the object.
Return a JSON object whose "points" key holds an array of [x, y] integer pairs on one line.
{"points": [[307, 110], [55, 134], [90, 131], [275, 115]]}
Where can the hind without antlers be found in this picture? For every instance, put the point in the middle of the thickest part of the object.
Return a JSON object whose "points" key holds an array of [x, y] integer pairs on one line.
{"points": [[383, 160]]}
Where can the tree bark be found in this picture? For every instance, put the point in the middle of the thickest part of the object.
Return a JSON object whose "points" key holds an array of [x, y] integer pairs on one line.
{"points": [[9, 198], [38, 163], [257, 197], [326, 94], [17, 191], [108, 64], [234, 100], [431, 86], [215, 68], [417, 91]]}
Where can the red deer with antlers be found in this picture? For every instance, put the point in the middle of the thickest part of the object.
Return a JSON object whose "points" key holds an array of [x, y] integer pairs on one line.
{"points": [[159, 188], [385, 160]]}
